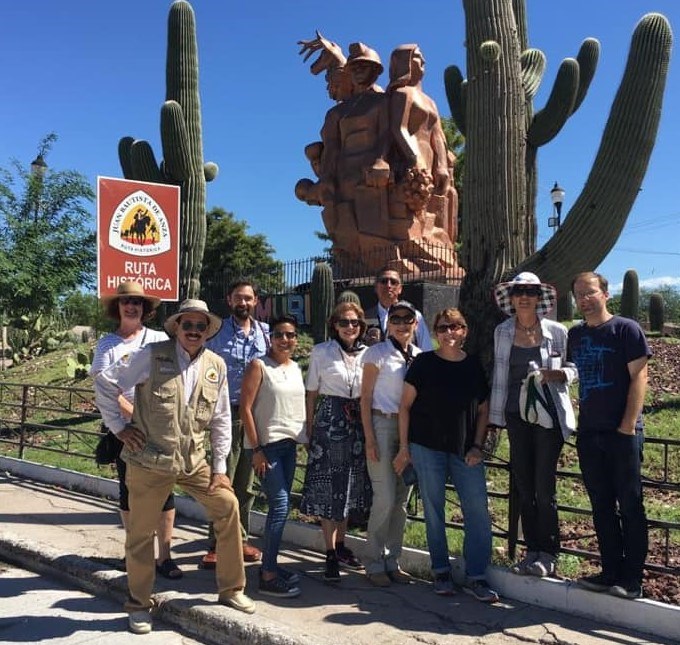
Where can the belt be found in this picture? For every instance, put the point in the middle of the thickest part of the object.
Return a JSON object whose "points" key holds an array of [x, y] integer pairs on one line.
{"points": [[386, 415]]}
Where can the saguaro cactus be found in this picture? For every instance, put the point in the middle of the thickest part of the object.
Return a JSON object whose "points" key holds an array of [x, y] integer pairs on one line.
{"points": [[494, 109], [182, 140], [656, 312], [322, 298], [630, 295], [349, 296]]}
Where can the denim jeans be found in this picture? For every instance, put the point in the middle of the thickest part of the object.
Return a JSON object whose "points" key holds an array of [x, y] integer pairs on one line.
{"points": [[434, 467], [534, 452], [610, 463], [277, 483], [388, 512]]}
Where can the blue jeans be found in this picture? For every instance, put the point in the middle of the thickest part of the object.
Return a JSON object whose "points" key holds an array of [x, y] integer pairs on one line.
{"points": [[433, 468], [610, 463], [277, 483]]}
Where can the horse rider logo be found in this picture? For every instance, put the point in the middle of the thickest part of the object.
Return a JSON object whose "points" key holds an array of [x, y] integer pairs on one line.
{"points": [[139, 226]]}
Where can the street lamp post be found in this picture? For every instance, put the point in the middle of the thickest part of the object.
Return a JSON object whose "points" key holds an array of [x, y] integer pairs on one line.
{"points": [[557, 197]]}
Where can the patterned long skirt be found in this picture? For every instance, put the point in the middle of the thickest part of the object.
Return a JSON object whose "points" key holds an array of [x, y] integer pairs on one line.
{"points": [[337, 480]]}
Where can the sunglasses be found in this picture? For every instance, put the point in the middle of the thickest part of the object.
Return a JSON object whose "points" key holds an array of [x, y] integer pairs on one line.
{"points": [[391, 281], [531, 292], [348, 322], [401, 320], [444, 327], [288, 335], [131, 300], [187, 325]]}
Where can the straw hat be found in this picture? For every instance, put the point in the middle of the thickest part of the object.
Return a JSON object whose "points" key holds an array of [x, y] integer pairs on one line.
{"points": [[130, 289], [546, 301], [191, 306]]}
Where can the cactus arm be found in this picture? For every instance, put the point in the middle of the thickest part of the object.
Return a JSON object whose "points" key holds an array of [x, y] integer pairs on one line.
{"points": [[533, 67], [550, 120], [175, 140], [587, 58], [594, 223], [456, 94], [124, 156], [210, 170], [144, 166]]}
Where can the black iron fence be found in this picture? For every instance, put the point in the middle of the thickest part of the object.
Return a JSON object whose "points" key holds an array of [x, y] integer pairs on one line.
{"points": [[64, 420]]}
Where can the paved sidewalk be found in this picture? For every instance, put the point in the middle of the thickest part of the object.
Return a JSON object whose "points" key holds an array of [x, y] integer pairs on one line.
{"points": [[77, 537]]}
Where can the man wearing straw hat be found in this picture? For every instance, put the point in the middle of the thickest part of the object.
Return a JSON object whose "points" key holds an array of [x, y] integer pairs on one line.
{"points": [[180, 391]]}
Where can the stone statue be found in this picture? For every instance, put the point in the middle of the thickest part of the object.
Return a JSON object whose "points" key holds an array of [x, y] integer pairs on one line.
{"points": [[385, 176]]}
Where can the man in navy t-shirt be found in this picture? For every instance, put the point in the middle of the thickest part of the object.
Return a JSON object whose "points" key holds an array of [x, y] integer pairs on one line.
{"points": [[611, 354]]}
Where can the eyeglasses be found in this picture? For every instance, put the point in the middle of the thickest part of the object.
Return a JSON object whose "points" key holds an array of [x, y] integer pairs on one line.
{"points": [[529, 292], [401, 320], [187, 325], [131, 300], [391, 281], [588, 295], [288, 335], [444, 327], [348, 322]]}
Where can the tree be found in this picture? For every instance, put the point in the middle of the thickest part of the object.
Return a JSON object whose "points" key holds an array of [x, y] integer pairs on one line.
{"points": [[230, 252], [47, 247], [494, 111]]}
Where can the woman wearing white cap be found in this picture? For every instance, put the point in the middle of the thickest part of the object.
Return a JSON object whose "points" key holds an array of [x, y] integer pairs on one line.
{"points": [[526, 342], [130, 307]]}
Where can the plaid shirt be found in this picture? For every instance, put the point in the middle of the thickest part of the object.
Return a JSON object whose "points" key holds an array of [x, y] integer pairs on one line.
{"points": [[554, 341]]}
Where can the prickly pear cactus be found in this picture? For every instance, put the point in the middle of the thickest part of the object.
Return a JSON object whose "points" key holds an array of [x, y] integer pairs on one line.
{"points": [[630, 295], [182, 140], [322, 298]]}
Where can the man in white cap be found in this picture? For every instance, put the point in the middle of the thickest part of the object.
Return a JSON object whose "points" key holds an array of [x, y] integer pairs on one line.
{"points": [[180, 391]]}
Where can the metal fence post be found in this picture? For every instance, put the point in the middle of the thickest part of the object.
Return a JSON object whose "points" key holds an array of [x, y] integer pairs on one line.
{"points": [[24, 414]]}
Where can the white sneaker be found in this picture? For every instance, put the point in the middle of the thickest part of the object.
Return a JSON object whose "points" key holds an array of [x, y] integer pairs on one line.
{"points": [[139, 622], [239, 601], [545, 565]]}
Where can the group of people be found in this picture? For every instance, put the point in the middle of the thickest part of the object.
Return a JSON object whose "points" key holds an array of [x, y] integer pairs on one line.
{"points": [[377, 412]]}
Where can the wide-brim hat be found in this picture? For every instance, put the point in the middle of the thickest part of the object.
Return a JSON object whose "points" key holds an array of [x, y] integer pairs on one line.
{"points": [[401, 304], [546, 301], [192, 306], [130, 289]]}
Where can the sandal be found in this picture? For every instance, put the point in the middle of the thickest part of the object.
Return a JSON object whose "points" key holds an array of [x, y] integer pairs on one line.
{"points": [[168, 569]]}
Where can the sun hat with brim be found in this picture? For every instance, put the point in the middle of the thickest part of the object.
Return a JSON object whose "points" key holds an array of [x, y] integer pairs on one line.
{"points": [[401, 304], [193, 307], [130, 289], [503, 293]]}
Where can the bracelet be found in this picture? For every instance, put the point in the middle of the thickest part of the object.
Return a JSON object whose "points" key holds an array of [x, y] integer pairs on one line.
{"points": [[257, 449]]}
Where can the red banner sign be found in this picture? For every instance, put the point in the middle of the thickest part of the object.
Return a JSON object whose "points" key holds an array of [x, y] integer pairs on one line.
{"points": [[138, 236]]}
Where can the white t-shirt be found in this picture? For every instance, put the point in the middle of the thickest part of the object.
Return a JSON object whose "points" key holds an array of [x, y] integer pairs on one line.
{"points": [[334, 373], [112, 348], [391, 371]]}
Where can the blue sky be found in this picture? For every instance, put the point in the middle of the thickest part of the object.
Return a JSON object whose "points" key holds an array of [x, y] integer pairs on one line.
{"points": [[93, 72]]}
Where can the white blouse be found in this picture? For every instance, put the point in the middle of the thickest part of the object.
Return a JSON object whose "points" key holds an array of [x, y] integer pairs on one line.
{"points": [[332, 372]]}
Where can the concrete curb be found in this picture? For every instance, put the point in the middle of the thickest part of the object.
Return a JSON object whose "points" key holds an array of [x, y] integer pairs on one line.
{"points": [[211, 623]]}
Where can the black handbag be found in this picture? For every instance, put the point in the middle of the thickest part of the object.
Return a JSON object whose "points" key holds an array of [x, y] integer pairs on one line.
{"points": [[108, 448]]}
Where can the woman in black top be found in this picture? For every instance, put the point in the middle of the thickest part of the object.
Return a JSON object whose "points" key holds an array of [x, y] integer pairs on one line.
{"points": [[442, 426]]}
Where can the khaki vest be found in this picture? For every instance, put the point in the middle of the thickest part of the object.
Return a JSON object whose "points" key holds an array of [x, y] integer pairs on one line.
{"points": [[175, 433]]}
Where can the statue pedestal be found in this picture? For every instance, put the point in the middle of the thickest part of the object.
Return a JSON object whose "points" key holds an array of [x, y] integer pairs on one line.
{"points": [[428, 297]]}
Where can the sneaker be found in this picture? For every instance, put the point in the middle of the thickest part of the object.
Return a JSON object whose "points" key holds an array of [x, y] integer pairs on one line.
{"points": [[400, 577], [598, 583], [239, 601], [278, 588], [139, 622], [545, 565], [332, 573], [348, 560], [380, 579], [629, 590], [479, 588], [521, 568], [291, 577], [443, 584]]}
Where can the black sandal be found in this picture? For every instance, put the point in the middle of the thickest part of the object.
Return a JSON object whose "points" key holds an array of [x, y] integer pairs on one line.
{"points": [[168, 569]]}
